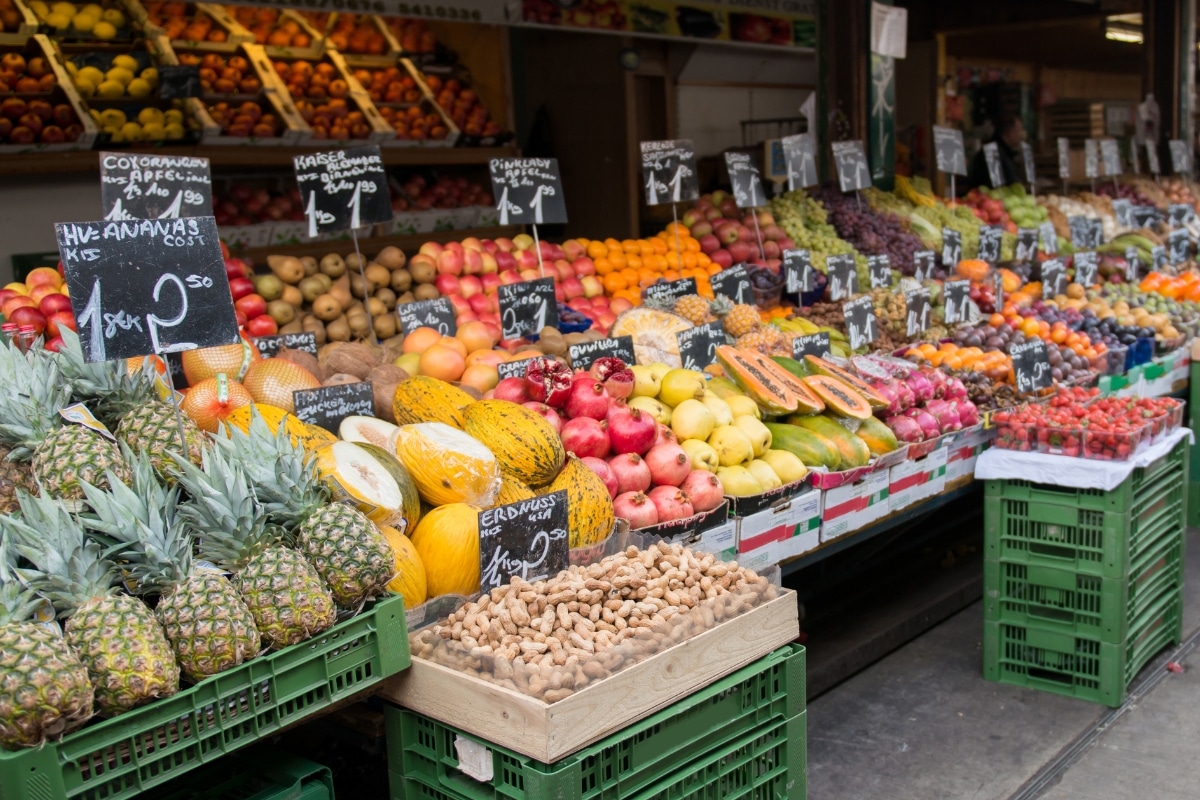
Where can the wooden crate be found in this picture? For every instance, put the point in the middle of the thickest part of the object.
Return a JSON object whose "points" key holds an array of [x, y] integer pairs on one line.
{"points": [[549, 732], [235, 33], [392, 49], [427, 104], [27, 29], [356, 99], [63, 93]]}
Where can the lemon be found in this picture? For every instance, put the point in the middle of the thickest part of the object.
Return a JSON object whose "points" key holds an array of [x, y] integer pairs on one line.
{"points": [[104, 30], [120, 75], [114, 17], [173, 115], [117, 136], [150, 74], [151, 115], [95, 9], [72, 70], [131, 131], [126, 62], [63, 8], [60, 22], [92, 75], [139, 88], [96, 116], [112, 118], [154, 132], [174, 130], [85, 87], [110, 89], [39, 9], [83, 22]]}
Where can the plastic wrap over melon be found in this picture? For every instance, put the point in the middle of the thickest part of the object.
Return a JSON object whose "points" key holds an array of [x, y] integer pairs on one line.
{"points": [[447, 465], [946, 415], [921, 387], [905, 428], [929, 424]]}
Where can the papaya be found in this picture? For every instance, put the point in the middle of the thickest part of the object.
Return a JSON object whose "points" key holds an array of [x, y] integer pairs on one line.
{"points": [[793, 366], [724, 388], [819, 366], [807, 401], [761, 386], [878, 437], [839, 398], [852, 451], [810, 447]]}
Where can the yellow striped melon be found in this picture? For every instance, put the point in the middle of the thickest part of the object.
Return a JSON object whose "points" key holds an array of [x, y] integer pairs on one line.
{"points": [[425, 399], [524, 442], [589, 506], [447, 465], [410, 581]]}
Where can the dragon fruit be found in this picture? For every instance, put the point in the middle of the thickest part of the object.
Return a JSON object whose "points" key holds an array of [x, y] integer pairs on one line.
{"points": [[905, 428], [889, 391], [946, 415], [921, 387], [938, 379], [968, 413], [929, 424], [955, 390], [907, 398]]}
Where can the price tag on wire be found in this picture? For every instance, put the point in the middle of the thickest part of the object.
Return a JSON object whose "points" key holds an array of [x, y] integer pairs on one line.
{"points": [[527, 307]]}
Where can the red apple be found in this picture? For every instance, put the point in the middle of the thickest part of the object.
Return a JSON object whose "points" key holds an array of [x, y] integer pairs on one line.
{"points": [[51, 304], [722, 258], [460, 303], [13, 303], [572, 288], [28, 315], [58, 320], [505, 244], [240, 287], [472, 262], [583, 266], [505, 261], [447, 284], [55, 344], [509, 277], [7, 294], [236, 268], [465, 317], [450, 262], [469, 285], [580, 304], [592, 286], [563, 268], [252, 305], [262, 325], [479, 303]]}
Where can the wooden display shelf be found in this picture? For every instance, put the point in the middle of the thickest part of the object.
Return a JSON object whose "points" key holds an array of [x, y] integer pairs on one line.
{"points": [[234, 156], [373, 244]]}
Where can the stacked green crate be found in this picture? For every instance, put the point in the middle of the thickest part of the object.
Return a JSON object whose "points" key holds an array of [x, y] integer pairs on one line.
{"points": [[742, 736], [1082, 587]]}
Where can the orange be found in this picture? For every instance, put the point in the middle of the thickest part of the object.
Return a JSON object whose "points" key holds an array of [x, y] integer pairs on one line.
{"points": [[603, 266], [596, 250]]}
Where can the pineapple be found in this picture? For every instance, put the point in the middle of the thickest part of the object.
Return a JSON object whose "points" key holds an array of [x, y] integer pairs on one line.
{"points": [[59, 455], [694, 308], [282, 590], [127, 655], [767, 340], [206, 622], [742, 319], [45, 692], [351, 554]]}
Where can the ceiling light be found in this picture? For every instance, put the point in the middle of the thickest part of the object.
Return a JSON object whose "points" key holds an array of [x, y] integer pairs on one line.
{"points": [[1124, 28]]}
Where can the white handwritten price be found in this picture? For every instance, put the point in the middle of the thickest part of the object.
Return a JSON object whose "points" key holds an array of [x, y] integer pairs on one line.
{"points": [[105, 325]]}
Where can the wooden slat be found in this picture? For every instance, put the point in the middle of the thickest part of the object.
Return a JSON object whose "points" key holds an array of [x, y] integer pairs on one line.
{"points": [[374, 244]]}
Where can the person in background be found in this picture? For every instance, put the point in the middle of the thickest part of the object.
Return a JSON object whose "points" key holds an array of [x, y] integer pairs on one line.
{"points": [[1009, 135]]}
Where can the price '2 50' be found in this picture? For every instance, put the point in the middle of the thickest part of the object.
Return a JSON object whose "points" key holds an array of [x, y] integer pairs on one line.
{"points": [[104, 325]]}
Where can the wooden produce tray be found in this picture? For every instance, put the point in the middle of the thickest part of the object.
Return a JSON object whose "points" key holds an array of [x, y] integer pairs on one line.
{"points": [[548, 732], [356, 100], [387, 58], [63, 93], [233, 32], [425, 104], [27, 28]]}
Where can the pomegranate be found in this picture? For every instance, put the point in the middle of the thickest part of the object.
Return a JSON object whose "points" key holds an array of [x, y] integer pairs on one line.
{"points": [[548, 381], [615, 374], [586, 437], [665, 434], [632, 473], [588, 398], [704, 490], [511, 389], [631, 430], [602, 469], [669, 464], [671, 503], [546, 411], [637, 508]]}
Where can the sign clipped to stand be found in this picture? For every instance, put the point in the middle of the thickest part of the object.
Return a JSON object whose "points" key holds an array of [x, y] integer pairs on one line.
{"points": [[798, 271], [991, 155], [1152, 162], [698, 345], [861, 324], [811, 344], [269, 346], [956, 295], [1158, 255], [1091, 158], [1135, 161], [327, 406], [990, 237], [343, 189], [669, 171], [923, 265], [672, 289], [144, 287], [527, 539], [1030, 166], [436, 313], [1054, 278], [1027, 241], [1179, 246], [917, 311], [951, 248], [1031, 366], [584, 354], [528, 191], [733, 283], [948, 148], [800, 156], [843, 276], [851, 162], [745, 180], [1049, 238], [1110, 156], [1181, 157], [513, 369], [1087, 265], [1132, 265], [879, 269], [1179, 214], [527, 307], [141, 186], [1064, 158], [1123, 211]]}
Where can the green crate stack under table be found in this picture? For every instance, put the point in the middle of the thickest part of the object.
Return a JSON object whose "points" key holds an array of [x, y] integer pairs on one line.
{"points": [[742, 736], [259, 773], [1082, 587]]}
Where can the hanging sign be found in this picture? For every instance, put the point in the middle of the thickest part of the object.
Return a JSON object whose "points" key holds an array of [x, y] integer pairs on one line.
{"points": [[527, 539], [140, 186], [438, 314], [528, 191], [851, 162], [843, 276], [698, 345], [799, 153], [1135, 161], [1030, 167], [948, 147], [1181, 157], [527, 307], [343, 189], [1152, 162], [669, 172], [745, 180]]}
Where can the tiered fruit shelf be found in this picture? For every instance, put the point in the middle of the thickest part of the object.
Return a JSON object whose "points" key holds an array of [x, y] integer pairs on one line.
{"points": [[408, 243]]}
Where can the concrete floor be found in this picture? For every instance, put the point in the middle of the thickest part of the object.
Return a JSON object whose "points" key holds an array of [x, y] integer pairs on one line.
{"points": [[923, 724]]}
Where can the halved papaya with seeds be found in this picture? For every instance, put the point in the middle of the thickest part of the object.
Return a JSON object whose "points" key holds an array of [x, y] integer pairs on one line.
{"points": [[806, 401], [827, 368], [839, 398], [761, 386]]}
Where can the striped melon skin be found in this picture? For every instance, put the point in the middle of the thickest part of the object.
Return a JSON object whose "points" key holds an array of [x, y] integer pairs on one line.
{"points": [[525, 444], [589, 507], [512, 491], [425, 399]]}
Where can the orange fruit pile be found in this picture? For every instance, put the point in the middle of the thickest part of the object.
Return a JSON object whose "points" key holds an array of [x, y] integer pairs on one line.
{"points": [[996, 364], [626, 267], [1183, 287]]}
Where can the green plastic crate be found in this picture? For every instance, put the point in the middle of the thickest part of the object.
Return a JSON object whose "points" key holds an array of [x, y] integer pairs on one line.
{"points": [[261, 773], [768, 763], [1080, 666], [1089, 541], [1086, 605], [768, 691], [139, 750]]}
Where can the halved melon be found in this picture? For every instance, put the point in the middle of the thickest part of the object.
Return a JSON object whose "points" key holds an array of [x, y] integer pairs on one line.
{"points": [[839, 398], [356, 478], [408, 487], [369, 430], [821, 366], [653, 333]]}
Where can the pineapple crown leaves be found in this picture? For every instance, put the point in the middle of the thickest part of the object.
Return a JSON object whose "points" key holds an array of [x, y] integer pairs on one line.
{"points": [[34, 395], [110, 387], [660, 303], [18, 603], [720, 305]]}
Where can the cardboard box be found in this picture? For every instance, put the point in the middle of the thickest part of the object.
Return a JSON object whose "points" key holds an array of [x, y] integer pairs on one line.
{"points": [[720, 540], [913, 481], [783, 531], [855, 505], [961, 457]]}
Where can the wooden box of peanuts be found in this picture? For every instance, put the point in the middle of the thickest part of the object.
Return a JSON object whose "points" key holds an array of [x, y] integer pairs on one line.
{"points": [[549, 667]]}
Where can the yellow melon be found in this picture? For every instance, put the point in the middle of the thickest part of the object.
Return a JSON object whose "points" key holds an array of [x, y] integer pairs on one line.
{"points": [[410, 581], [447, 539], [447, 465]]}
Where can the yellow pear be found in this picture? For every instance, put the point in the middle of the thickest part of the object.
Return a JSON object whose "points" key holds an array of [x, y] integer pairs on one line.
{"points": [[787, 466], [756, 432], [743, 406], [763, 473], [645, 382], [733, 447], [719, 408], [702, 455], [681, 384], [739, 481], [652, 406], [693, 419]]}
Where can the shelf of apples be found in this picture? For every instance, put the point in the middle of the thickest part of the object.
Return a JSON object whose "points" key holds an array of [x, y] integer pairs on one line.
{"points": [[201, 26], [41, 303], [39, 106], [236, 105]]}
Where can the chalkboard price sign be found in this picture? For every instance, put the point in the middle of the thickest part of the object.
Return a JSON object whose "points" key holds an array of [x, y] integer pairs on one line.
{"points": [[916, 304], [526, 308], [437, 314], [843, 276], [957, 295], [951, 248], [1179, 214], [673, 289], [1031, 365], [799, 272], [1132, 265], [138, 186], [1158, 254], [1085, 232], [1049, 237], [343, 189], [860, 321], [528, 191], [1027, 241], [1123, 211], [811, 344], [989, 243], [733, 283], [669, 171], [1030, 167], [923, 265], [991, 155], [140, 287], [747, 183], [1064, 157], [948, 148], [1054, 278], [1091, 158], [1110, 156], [327, 406], [269, 346], [1087, 265], [698, 345], [851, 161], [179, 82], [1181, 157], [1152, 162], [513, 369], [800, 156], [1178, 246], [528, 539], [879, 269], [583, 355]]}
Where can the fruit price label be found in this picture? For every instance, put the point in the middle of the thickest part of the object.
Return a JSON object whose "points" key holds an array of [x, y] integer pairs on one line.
{"points": [[1132, 264], [698, 345], [951, 248], [528, 191], [526, 308], [177, 82], [917, 311], [1027, 241], [1049, 237], [948, 148], [1110, 157], [800, 156], [860, 321], [799, 271], [923, 265], [733, 283], [1123, 211], [1084, 233], [1030, 166], [989, 243], [327, 406], [1135, 160], [1178, 246], [1152, 162], [138, 186], [1144, 215], [140, 287], [1087, 265], [1181, 157], [1091, 158], [343, 189], [957, 295], [669, 171], [811, 344], [513, 369], [851, 161], [1031, 366], [527, 539], [584, 354], [991, 155], [1158, 254], [747, 183], [1054, 278], [1179, 214], [879, 270], [672, 289], [269, 346], [1064, 157], [843, 277], [437, 314]]}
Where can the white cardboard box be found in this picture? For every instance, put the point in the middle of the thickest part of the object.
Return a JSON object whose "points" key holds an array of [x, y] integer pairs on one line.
{"points": [[910, 482], [961, 456], [782, 531], [721, 541], [855, 505]]}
